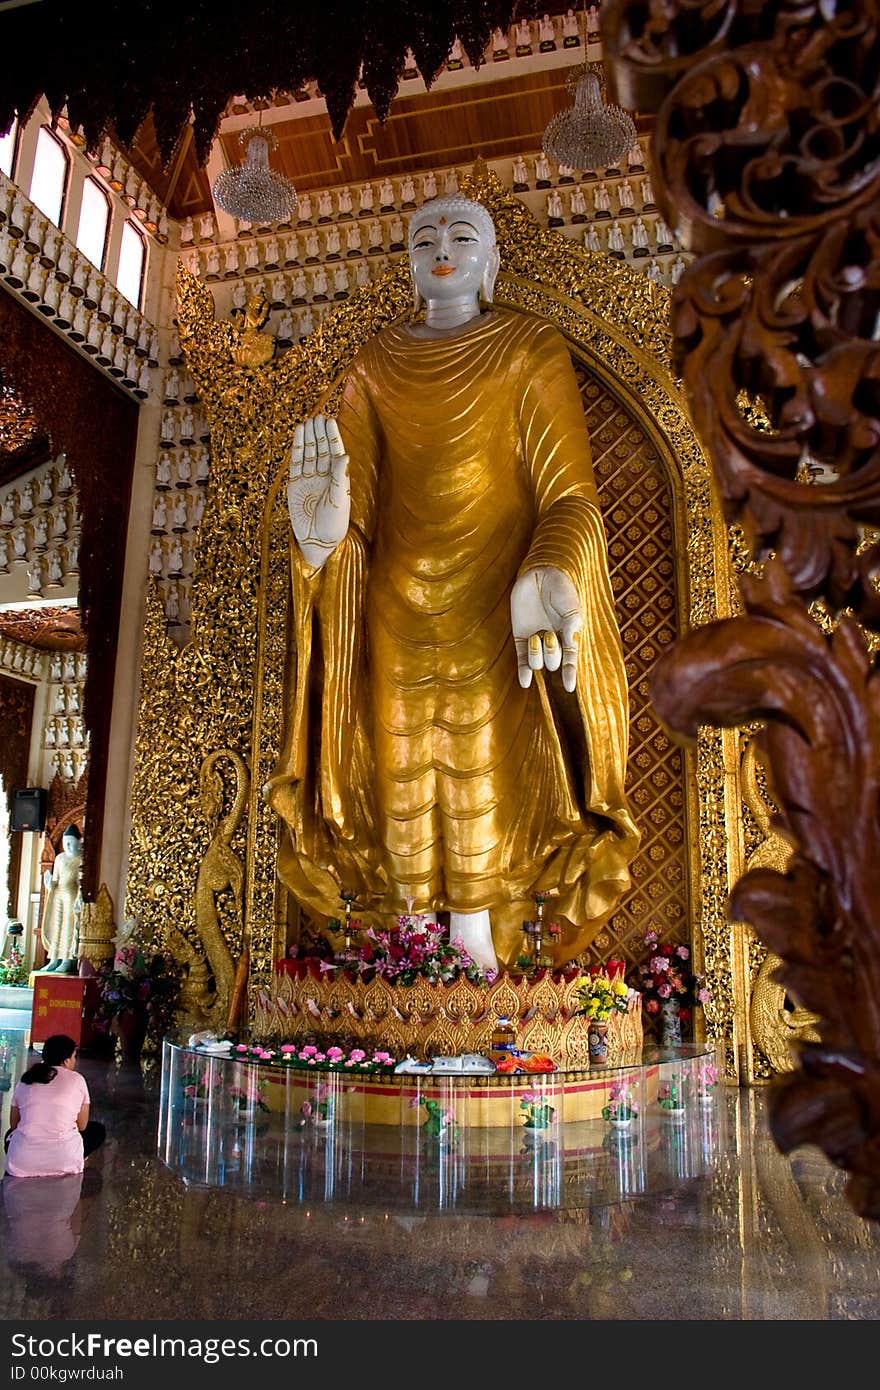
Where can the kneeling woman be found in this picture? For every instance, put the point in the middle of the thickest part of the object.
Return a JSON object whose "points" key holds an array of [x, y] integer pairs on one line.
{"points": [[51, 1133]]}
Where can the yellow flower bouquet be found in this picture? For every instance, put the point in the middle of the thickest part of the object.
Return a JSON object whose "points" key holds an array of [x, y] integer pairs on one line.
{"points": [[601, 996]]}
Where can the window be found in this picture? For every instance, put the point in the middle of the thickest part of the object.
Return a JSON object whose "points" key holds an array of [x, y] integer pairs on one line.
{"points": [[50, 176], [132, 255], [7, 149], [94, 219]]}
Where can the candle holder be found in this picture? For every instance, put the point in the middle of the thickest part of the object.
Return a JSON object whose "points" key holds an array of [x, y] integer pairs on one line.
{"points": [[347, 896], [533, 932]]}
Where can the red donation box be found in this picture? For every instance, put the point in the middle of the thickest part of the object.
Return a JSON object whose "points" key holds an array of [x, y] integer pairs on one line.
{"points": [[62, 1004]]}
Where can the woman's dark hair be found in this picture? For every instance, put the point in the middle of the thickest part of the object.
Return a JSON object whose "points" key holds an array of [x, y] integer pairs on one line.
{"points": [[56, 1050]]}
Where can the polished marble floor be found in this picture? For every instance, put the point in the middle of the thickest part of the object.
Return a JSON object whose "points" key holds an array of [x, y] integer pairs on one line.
{"points": [[756, 1237]]}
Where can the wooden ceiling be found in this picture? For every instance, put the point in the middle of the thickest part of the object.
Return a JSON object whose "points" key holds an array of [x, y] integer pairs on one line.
{"points": [[427, 130], [55, 629]]}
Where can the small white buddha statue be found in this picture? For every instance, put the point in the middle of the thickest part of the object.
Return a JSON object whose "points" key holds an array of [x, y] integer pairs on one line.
{"points": [[59, 921]]}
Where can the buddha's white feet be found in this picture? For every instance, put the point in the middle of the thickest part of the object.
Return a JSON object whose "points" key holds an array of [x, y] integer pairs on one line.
{"points": [[474, 930]]}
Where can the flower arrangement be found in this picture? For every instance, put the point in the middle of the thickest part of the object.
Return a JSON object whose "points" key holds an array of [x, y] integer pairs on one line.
{"points": [[132, 982], [707, 1079], [249, 1096], [671, 1094], [13, 970], [620, 1106], [321, 1109], [439, 1123], [538, 1114], [327, 1057], [415, 950], [667, 975], [199, 1083], [600, 996]]}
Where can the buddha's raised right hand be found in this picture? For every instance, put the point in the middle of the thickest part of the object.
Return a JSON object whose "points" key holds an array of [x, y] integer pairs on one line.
{"points": [[319, 493]]}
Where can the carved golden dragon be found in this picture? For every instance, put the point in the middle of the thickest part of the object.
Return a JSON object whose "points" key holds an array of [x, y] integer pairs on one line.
{"points": [[774, 1027], [220, 869]]}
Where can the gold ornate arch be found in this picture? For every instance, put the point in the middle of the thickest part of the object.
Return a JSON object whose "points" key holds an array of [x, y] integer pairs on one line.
{"points": [[224, 690]]}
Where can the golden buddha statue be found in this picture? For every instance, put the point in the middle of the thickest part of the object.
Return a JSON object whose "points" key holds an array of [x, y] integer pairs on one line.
{"points": [[253, 347], [449, 558]]}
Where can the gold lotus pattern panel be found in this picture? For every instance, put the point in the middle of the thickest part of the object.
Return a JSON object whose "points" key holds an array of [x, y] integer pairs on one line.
{"points": [[637, 507]]}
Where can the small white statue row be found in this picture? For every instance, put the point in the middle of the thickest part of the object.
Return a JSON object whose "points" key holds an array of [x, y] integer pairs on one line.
{"points": [[27, 233], [176, 601], [83, 325], [67, 697], [177, 513], [15, 656], [187, 468], [622, 238], [64, 733], [68, 666], [124, 180], [51, 567], [69, 763], [600, 197], [52, 570], [542, 175], [179, 426], [54, 512], [313, 286]]}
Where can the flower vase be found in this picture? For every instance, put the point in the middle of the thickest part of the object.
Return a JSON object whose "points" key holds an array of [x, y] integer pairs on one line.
{"points": [[130, 1028], [621, 1124], [597, 1042], [670, 1019]]}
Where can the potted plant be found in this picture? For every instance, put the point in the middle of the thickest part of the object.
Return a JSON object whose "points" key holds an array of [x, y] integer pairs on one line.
{"points": [[620, 1109], [137, 996], [537, 1112], [669, 988], [600, 997]]}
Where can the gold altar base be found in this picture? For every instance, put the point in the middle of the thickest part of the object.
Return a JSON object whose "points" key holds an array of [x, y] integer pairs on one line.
{"points": [[425, 1020], [488, 1103]]}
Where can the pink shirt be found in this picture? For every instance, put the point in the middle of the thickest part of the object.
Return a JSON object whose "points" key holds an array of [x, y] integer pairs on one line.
{"points": [[46, 1142]]}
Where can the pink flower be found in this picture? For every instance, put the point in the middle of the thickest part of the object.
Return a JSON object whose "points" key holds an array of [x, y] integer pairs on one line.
{"points": [[357, 1054], [664, 990], [242, 1047], [531, 1096], [659, 964], [682, 951], [305, 1109], [308, 1051], [414, 1102], [288, 1047], [703, 996], [334, 1054], [382, 1057], [320, 1057], [190, 1090]]}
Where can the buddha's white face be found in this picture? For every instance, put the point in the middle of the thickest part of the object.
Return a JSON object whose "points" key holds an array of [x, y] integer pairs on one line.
{"points": [[71, 844], [449, 257]]}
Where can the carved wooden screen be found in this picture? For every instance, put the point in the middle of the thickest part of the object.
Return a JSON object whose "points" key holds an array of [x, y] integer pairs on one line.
{"points": [[637, 508]]}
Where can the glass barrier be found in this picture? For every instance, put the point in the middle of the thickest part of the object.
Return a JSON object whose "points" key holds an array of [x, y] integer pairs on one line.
{"points": [[484, 1143]]}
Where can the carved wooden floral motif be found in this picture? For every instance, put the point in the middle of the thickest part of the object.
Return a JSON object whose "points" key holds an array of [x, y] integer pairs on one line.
{"points": [[767, 162]]}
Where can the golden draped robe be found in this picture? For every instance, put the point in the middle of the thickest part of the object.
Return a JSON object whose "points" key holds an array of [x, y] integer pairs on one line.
{"points": [[415, 765]]}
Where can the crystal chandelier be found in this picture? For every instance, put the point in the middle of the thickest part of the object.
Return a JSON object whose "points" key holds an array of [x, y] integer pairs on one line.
{"points": [[252, 191], [590, 135]]}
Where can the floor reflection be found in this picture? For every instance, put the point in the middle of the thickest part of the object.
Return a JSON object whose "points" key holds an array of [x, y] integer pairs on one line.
{"points": [[752, 1236]]}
